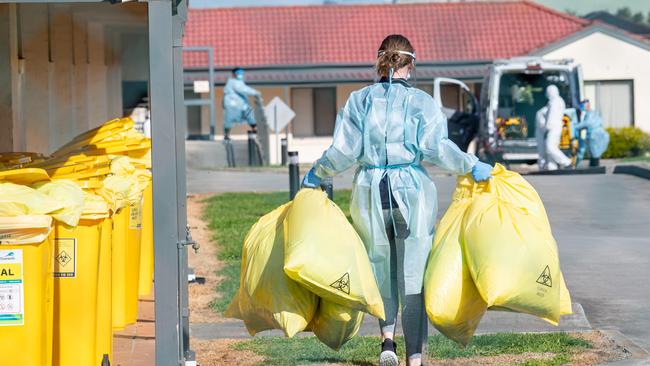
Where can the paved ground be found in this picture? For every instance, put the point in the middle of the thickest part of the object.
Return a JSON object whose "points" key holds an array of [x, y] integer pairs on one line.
{"points": [[601, 223]]}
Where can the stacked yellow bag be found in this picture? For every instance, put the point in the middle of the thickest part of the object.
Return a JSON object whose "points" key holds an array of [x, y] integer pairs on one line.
{"points": [[284, 285], [24, 214], [452, 301], [341, 271], [493, 249], [267, 298]]}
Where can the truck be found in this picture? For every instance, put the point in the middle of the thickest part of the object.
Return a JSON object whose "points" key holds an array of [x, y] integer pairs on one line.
{"points": [[501, 127]]}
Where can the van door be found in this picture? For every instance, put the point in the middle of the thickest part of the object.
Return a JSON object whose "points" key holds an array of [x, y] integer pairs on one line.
{"points": [[461, 108]]}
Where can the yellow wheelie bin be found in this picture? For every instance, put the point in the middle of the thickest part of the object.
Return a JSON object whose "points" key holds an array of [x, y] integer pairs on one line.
{"points": [[76, 257], [132, 262], [26, 288], [104, 345], [146, 244]]}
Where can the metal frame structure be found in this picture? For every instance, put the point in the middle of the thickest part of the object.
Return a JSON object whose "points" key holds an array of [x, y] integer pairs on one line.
{"points": [[202, 102], [166, 19]]}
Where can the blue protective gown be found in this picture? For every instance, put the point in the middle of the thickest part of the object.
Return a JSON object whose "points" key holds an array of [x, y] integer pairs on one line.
{"points": [[389, 129], [597, 137], [236, 107]]}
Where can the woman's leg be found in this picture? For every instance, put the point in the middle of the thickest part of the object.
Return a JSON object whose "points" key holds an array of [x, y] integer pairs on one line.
{"points": [[414, 318], [391, 304]]}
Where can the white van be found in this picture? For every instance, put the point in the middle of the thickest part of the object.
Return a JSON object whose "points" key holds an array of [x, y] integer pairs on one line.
{"points": [[502, 127]]}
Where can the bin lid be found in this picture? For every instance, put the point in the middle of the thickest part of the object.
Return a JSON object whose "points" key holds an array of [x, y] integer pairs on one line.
{"points": [[26, 176]]}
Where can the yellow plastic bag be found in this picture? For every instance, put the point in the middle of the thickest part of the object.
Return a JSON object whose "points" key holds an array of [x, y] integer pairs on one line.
{"points": [[335, 324], [267, 298], [509, 248], [71, 197], [325, 255], [452, 301], [95, 207], [122, 187], [24, 229], [19, 200]]}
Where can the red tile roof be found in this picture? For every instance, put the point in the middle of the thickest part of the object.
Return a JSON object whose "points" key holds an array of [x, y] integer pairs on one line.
{"points": [[351, 34]]}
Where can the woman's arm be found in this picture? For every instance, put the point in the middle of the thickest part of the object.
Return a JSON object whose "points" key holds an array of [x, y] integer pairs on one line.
{"points": [[436, 148], [347, 142]]}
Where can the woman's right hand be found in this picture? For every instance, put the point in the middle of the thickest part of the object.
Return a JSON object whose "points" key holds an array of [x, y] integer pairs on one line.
{"points": [[481, 171]]}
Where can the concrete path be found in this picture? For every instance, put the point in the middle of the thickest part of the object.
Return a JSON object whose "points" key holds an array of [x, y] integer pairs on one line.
{"points": [[601, 224], [493, 322]]}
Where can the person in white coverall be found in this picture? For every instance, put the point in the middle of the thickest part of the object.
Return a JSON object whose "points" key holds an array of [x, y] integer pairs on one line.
{"points": [[549, 131]]}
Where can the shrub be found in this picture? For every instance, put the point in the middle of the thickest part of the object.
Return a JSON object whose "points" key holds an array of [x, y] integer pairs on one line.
{"points": [[626, 142]]}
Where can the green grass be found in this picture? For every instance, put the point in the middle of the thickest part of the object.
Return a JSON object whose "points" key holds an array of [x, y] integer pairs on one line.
{"points": [[230, 216], [644, 159], [364, 350]]}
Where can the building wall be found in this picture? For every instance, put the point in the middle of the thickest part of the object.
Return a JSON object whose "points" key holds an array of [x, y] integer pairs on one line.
{"points": [[604, 57], [58, 78]]}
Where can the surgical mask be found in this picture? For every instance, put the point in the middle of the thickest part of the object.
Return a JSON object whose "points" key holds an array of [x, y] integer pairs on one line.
{"points": [[408, 76], [239, 76]]}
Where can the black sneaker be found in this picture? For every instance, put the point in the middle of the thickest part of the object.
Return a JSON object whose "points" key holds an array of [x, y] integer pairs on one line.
{"points": [[388, 356]]}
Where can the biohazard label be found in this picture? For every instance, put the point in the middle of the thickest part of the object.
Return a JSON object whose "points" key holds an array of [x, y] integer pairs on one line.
{"points": [[342, 284], [12, 309], [135, 219], [65, 257], [545, 278]]}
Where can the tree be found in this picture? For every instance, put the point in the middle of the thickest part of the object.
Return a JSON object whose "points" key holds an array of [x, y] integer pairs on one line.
{"points": [[624, 12], [638, 18]]}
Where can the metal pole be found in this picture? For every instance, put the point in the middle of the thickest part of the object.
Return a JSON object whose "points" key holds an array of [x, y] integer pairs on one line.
{"points": [[252, 153], [213, 112], [277, 133], [284, 151], [294, 174], [165, 191]]}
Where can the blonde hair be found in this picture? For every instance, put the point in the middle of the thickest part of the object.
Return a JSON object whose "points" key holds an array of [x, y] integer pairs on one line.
{"points": [[389, 55]]}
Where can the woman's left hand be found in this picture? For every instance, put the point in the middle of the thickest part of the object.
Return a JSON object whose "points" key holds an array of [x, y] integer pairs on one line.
{"points": [[311, 180]]}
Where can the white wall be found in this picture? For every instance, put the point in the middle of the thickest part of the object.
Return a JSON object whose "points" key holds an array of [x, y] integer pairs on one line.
{"points": [[604, 57]]}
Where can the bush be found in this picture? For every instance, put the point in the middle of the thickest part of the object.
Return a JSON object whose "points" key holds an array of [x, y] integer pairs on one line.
{"points": [[626, 142]]}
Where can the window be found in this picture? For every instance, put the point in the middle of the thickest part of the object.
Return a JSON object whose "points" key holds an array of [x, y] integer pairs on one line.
{"points": [[324, 111], [614, 100]]}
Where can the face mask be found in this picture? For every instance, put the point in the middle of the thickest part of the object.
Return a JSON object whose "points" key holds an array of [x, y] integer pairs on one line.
{"points": [[239, 76], [408, 76]]}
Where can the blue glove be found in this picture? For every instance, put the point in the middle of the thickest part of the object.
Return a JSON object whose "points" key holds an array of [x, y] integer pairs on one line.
{"points": [[311, 180], [481, 171]]}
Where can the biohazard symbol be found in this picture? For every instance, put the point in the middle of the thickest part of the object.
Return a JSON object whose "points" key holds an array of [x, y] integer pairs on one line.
{"points": [[63, 258], [545, 278], [342, 284]]}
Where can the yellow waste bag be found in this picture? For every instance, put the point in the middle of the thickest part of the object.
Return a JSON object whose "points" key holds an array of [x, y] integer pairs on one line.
{"points": [[19, 200], [325, 255], [25, 229], [267, 298], [335, 324], [69, 195], [509, 248], [452, 301]]}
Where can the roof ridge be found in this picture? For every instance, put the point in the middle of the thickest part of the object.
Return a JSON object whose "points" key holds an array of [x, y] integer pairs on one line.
{"points": [[384, 5], [552, 11]]}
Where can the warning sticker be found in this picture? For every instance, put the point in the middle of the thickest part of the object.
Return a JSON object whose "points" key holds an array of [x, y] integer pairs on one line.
{"points": [[12, 309], [65, 257], [342, 284], [135, 220], [545, 278]]}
